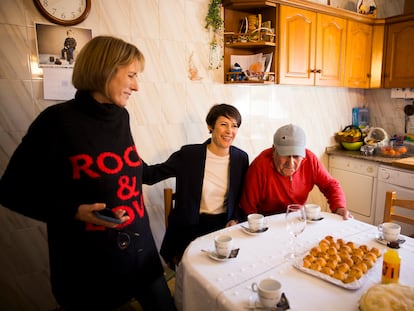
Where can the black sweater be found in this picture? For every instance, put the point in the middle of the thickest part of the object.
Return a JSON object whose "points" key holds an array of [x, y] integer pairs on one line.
{"points": [[82, 152]]}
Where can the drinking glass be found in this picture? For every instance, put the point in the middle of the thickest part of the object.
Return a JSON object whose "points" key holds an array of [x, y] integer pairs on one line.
{"points": [[295, 224]]}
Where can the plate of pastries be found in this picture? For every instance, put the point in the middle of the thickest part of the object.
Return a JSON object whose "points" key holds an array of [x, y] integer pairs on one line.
{"points": [[339, 262]]}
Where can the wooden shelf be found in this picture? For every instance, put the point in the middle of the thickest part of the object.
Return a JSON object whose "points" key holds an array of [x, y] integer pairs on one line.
{"points": [[250, 44]]}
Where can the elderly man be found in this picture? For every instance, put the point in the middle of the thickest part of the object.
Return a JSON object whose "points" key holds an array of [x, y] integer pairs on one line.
{"points": [[285, 174]]}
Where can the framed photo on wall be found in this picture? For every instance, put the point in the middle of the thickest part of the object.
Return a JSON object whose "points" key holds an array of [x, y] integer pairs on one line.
{"points": [[57, 46]]}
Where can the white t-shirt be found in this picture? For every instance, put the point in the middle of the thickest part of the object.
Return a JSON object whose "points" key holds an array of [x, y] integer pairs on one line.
{"points": [[215, 184]]}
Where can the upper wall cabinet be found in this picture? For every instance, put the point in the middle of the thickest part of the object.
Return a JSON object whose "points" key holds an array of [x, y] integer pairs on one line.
{"points": [[316, 44], [358, 55], [312, 48], [399, 61], [250, 41]]}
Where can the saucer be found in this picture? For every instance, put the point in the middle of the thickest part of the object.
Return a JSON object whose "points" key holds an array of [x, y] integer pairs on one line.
{"points": [[381, 240], [213, 255], [254, 304], [314, 220], [251, 232]]}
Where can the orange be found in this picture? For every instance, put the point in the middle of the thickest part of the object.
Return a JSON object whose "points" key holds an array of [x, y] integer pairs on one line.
{"points": [[403, 149]]}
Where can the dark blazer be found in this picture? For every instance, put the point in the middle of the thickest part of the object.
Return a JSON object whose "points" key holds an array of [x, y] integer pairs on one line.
{"points": [[187, 165]]}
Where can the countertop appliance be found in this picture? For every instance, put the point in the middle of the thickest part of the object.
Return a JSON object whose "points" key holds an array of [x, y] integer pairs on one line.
{"points": [[358, 179], [400, 181]]}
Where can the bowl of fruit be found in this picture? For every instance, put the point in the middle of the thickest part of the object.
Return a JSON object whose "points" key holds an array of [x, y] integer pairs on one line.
{"points": [[351, 137], [352, 146]]}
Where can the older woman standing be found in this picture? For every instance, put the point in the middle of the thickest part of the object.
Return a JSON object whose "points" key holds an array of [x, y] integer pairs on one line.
{"points": [[77, 158]]}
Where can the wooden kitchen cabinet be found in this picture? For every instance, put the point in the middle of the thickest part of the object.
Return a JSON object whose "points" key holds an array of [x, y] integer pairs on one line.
{"points": [[358, 55], [312, 48], [399, 64], [237, 42]]}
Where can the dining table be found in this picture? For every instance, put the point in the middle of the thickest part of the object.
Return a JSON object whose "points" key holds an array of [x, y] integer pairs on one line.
{"points": [[205, 282]]}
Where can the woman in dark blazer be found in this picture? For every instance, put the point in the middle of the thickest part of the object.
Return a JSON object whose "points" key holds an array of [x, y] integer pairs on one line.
{"points": [[209, 181]]}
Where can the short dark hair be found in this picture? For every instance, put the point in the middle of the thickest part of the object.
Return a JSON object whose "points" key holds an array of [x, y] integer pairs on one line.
{"points": [[225, 110]]}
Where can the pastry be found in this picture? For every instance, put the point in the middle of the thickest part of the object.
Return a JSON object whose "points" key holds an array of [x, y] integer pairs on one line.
{"points": [[321, 261], [376, 251], [332, 264], [327, 270], [343, 267], [332, 251], [315, 266], [306, 263], [358, 252], [361, 265], [368, 262], [315, 250], [356, 272], [390, 297], [370, 255], [339, 275], [349, 279], [351, 244]]}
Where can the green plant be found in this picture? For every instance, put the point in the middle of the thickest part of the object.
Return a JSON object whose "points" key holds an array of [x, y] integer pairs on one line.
{"points": [[214, 23], [213, 17]]}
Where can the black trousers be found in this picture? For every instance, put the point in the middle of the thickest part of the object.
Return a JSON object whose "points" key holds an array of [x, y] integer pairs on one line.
{"points": [[177, 238]]}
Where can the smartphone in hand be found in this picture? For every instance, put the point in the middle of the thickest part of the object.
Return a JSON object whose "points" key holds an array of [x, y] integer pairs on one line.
{"points": [[107, 215]]}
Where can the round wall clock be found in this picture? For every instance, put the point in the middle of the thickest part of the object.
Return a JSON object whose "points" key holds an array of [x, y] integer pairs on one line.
{"points": [[64, 12]]}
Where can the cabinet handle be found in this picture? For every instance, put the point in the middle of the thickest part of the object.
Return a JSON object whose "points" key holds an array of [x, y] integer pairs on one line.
{"points": [[318, 71], [313, 70]]}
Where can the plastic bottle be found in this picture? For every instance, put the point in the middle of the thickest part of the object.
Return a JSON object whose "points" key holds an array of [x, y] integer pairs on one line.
{"points": [[391, 266]]}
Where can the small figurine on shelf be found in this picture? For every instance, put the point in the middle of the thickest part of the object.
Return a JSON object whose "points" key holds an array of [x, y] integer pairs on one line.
{"points": [[367, 7]]}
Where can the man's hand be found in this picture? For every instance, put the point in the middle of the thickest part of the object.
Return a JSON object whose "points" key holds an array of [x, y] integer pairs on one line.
{"points": [[344, 213]]}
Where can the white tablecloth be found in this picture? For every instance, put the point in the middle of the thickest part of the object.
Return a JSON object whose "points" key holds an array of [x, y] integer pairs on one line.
{"points": [[205, 284]]}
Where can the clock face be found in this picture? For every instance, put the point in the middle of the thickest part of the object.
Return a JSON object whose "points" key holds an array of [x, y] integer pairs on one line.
{"points": [[64, 12]]}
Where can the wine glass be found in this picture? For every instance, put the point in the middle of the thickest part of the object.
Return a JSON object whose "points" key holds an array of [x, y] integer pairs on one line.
{"points": [[295, 224]]}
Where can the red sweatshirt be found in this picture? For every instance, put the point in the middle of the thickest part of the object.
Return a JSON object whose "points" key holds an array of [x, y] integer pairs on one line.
{"points": [[267, 192]]}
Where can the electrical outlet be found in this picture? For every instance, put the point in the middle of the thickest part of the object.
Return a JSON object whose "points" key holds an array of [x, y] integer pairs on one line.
{"points": [[398, 93], [409, 93]]}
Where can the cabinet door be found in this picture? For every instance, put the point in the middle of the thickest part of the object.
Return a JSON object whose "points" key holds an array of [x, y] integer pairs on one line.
{"points": [[358, 191], [399, 64], [297, 46], [358, 55], [330, 50]]}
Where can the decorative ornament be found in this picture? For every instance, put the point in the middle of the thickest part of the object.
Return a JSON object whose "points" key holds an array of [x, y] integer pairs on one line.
{"points": [[192, 69], [367, 7]]}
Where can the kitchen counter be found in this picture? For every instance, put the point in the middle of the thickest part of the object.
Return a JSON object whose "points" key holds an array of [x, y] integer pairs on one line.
{"points": [[337, 150]]}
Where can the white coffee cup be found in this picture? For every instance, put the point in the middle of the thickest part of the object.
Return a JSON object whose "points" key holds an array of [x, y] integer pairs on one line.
{"points": [[269, 292], [255, 221], [390, 231], [224, 245], [313, 211]]}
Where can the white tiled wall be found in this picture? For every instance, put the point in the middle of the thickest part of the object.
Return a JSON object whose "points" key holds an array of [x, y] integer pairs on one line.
{"points": [[167, 112]]}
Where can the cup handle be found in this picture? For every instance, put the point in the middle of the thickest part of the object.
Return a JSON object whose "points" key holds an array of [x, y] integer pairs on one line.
{"points": [[254, 287]]}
